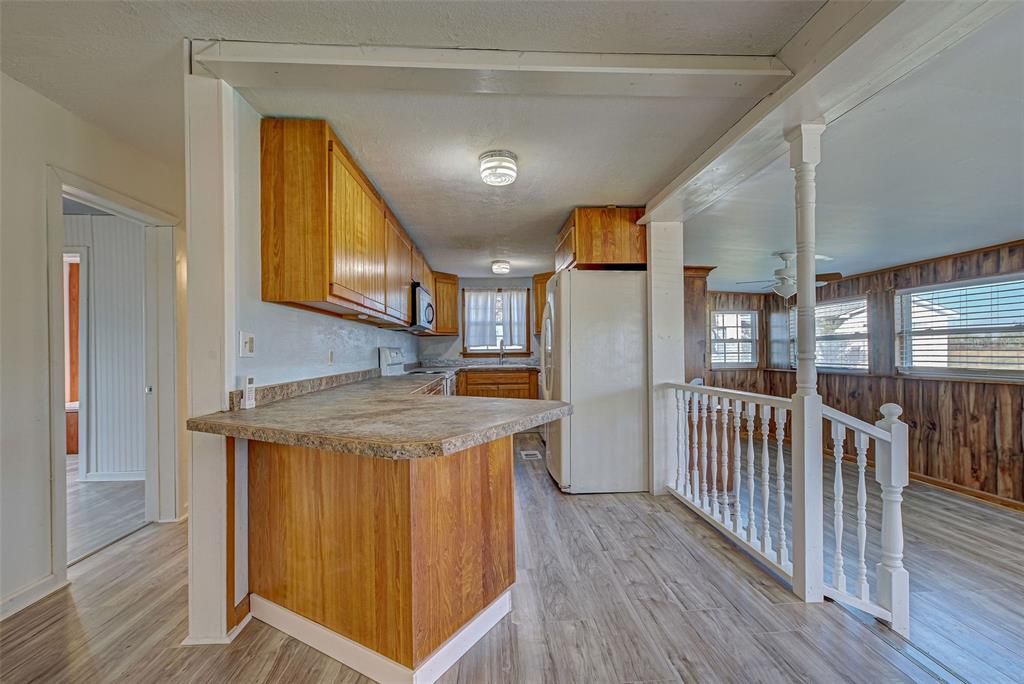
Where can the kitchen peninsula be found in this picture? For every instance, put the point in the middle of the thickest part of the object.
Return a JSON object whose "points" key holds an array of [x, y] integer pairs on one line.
{"points": [[380, 519]]}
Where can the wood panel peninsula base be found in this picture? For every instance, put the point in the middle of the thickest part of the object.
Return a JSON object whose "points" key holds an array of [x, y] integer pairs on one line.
{"points": [[395, 567]]}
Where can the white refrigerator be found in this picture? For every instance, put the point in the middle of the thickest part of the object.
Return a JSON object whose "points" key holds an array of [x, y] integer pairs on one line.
{"points": [[594, 355]]}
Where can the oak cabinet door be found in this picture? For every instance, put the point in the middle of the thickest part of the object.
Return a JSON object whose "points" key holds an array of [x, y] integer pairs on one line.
{"points": [[446, 304], [540, 282], [399, 272], [347, 200]]}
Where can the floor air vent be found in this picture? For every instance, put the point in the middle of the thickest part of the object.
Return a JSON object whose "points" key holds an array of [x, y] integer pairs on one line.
{"points": [[529, 455]]}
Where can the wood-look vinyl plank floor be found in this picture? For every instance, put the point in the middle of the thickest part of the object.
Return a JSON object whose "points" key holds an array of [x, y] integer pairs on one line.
{"points": [[101, 512], [610, 588], [964, 556]]}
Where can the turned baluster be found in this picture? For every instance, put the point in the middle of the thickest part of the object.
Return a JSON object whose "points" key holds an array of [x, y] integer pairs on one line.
{"points": [[782, 555], [704, 452], [694, 412], [862, 514], [681, 438], [714, 457], [737, 465], [726, 515], [751, 521], [838, 443], [766, 535]]}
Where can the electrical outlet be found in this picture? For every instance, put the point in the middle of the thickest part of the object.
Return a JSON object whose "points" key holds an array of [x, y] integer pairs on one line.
{"points": [[246, 344], [330, 357]]}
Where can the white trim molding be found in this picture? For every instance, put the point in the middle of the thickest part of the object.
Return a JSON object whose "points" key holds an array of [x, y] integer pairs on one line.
{"points": [[372, 664], [36, 591]]}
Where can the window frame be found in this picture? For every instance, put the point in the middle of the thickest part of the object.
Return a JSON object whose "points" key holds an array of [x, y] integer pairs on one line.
{"points": [[830, 368], [956, 373], [493, 353], [755, 340]]}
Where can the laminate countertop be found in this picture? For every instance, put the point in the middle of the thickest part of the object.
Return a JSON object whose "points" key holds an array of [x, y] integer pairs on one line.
{"points": [[384, 418]]}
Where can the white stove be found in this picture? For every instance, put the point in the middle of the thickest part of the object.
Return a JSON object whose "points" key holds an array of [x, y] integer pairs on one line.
{"points": [[392, 362]]}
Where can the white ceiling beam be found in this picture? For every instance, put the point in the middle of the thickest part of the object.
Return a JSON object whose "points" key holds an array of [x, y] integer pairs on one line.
{"points": [[275, 65], [846, 54]]}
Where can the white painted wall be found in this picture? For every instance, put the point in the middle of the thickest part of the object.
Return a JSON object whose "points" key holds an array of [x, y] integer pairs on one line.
{"points": [[117, 345], [291, 343], [444, 350], [37, 132]]}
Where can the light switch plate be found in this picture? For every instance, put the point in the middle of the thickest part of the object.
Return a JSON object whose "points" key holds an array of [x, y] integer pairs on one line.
{"points": [[246, 344]]}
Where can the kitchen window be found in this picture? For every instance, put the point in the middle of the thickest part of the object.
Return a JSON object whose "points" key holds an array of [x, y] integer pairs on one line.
{"points": [[841, 335], [975, 329], [734, 339], [496, 320]]}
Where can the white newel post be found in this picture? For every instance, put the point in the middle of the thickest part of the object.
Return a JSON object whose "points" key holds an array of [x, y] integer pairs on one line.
{"points": [[892, 473], [665, 345], [808, 582]]}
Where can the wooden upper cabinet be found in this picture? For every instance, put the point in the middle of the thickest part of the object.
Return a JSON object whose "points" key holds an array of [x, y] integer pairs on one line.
{"points": [[565, 252], [325, 238], [446, 304], [597, 237], [398, 271], [540, 281], [421, 272]]}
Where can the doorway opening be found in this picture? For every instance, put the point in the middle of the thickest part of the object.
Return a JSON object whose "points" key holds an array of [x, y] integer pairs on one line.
{"points": [[106, 378]]}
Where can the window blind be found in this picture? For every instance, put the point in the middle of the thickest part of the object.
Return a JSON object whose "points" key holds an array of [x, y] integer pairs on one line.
{"points": [[974, 329], [734, 339], [495, 317], [841, 334]]}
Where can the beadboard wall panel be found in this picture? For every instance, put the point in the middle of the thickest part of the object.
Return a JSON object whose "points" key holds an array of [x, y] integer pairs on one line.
{"points": [[965, 433], [116, 353]]}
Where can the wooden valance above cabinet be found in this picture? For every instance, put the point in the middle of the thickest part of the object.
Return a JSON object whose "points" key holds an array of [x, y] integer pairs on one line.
{"points": [[602, 237], [328, 240]]}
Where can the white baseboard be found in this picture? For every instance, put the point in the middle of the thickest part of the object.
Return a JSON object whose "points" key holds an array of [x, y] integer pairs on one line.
{"points": [[24, 598], [370, 663], [182, 517], [226, 639], [113, 477]]}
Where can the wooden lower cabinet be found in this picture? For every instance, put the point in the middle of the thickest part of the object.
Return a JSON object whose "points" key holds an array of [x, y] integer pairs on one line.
{"points": [[498, 382], [394, 554]]}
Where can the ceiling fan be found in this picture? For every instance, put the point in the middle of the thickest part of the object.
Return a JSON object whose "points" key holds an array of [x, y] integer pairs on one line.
{"points": [[784, 282]]}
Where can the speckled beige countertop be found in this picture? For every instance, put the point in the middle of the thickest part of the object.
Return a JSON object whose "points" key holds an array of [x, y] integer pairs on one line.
{"points": [[383, 418]]}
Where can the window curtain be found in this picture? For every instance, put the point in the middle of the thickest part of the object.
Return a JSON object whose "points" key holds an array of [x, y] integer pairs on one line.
{"points": [[515, 313], [480, 326]]}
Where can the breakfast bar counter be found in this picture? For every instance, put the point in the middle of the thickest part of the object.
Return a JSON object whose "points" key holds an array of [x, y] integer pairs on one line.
{"points": [[381, 520]]}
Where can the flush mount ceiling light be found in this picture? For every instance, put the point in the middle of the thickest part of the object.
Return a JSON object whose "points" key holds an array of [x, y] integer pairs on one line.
{"points": [[498, 167], [500, 267]]}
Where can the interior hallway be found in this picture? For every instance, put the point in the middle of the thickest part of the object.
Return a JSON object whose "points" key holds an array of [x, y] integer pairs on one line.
{"points": [[101, 512]]}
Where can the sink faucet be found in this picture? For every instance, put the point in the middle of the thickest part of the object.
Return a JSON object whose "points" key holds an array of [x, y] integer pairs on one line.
{"points": [[501, 352]]}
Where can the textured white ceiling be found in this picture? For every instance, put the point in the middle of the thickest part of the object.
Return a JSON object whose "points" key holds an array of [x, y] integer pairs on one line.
{"points": [[421, 150], [118, 64], [932, 165]]}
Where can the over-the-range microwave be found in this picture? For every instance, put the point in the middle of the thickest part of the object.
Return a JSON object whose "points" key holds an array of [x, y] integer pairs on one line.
{"points": [[423, 309]]}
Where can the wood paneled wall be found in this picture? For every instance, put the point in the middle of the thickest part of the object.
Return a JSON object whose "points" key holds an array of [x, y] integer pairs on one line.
{"points": [[964, 434], [745, 379], [695, 322]]}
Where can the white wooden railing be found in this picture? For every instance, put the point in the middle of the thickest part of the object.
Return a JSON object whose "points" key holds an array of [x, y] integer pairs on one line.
{"points": [[733, 468]]}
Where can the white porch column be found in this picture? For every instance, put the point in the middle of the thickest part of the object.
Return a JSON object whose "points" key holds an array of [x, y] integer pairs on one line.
{"points": [[804, 155], [665, 357]]}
